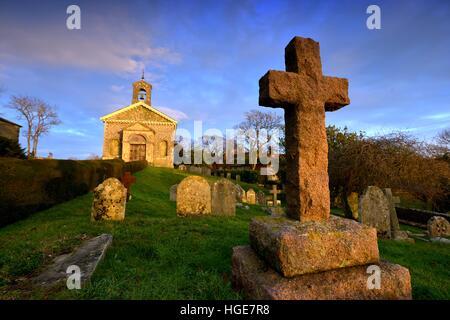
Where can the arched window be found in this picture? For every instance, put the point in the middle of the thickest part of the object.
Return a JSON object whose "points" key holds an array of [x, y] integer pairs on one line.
{"points": [[163, 148]]}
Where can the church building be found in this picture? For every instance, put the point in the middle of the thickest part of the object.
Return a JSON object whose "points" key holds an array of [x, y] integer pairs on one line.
{"points": [[139, 131]]}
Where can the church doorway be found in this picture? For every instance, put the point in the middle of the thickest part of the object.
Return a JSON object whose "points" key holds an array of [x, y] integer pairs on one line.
{"points": [[137, 147], [137, 152]]}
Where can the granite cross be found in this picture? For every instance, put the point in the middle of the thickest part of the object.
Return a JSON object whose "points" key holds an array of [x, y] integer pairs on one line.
{"points": [[127, 180], [305, 94], [275, 192]]}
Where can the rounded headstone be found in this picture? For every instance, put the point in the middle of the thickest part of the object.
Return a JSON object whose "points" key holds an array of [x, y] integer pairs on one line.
{"points": [[193, 196], [109, 202], [438, 227]]}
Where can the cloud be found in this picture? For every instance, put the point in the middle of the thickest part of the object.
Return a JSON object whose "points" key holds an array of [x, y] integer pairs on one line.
{"points": [[70, 131], [102, 44], [176, 114], [438, 116], [115, 88]]}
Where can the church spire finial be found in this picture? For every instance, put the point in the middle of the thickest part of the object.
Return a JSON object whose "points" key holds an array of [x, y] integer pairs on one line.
{"points": [[142, 74]]}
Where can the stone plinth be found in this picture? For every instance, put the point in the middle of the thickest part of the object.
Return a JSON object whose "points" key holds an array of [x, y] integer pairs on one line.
{"points": [[294, 248], [256, 280]]}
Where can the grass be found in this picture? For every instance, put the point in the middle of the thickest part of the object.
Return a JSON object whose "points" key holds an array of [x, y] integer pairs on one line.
{"points": [[156, 255]]}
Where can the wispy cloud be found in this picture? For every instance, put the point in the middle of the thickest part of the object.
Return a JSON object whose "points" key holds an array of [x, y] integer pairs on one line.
{"points": [[101, 44], [176, 114]]}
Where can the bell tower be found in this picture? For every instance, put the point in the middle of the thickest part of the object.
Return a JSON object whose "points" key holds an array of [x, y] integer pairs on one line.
{"points": [[142, 91]]}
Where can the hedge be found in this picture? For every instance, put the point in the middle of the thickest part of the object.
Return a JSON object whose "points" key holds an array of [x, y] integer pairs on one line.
{"points": [[28, 186]]}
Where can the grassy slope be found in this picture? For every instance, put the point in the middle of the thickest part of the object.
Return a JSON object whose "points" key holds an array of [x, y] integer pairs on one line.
{"points": [[156, 255]]}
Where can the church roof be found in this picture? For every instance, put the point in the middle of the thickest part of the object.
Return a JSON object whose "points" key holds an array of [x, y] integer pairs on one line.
{"points": [[137, 104]]}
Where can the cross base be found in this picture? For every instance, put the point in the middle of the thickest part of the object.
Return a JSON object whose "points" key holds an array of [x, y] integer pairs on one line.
{"points": [[256, 280], [294, 248]]}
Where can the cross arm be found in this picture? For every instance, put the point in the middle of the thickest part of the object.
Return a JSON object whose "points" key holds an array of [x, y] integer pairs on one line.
{"points": [[279, 88], [335, 93]]}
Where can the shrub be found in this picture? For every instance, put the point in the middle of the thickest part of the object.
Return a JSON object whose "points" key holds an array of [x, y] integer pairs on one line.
{"points": [[10, 148]]}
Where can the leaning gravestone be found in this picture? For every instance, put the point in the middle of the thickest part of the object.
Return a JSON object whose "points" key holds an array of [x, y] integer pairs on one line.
{"points": [[260, 198], [223, 201], [110, 198], [86, 258], [310, 254], [374, 211], [352, 201], [240, 194], [251, 196], [438, 227], [173, 192], [193, 196]]}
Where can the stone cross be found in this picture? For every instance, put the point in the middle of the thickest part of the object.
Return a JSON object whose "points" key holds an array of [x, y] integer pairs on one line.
{"points": [[275, 192], [127, 180], [305, 94]]}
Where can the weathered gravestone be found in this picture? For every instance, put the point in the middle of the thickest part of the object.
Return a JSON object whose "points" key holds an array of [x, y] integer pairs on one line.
{"points": [[173, 192], [193, 196], [438, 227], [310, 255], [109, 202], [240, 194], [238, 178], [374, 211], [127, 180], [182, 167], [251, 196], [260, 198], [228, 175], [86, 257], [352, 201], [223, 201]]}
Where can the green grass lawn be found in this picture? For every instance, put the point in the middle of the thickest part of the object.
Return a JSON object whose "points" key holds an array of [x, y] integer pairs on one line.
{"points": [[157, 255]]}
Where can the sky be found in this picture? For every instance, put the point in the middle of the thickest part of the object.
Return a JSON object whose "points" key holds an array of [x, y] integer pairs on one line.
{"points": [[204, 59]]}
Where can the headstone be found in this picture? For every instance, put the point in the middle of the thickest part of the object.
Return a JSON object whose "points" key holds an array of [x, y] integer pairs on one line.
{"points": [[353, 200], [109, 202], [228, 175], [223, 201], [309, 255], [251, 196], [374, 211], [438, 227], [222, 175], [173, 192], [238, 178], [240, 194], [275, 193], [127, 180], [182, 167], [260, 198], [193, 196], [86, 257]]}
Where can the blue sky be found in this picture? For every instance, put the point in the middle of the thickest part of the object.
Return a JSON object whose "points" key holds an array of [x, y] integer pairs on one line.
{"points": [[204, 60]]}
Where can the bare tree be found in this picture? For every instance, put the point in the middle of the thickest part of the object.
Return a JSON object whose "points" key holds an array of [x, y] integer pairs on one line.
{"points": [[39, 116], [444, 138], [257, 122]]}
